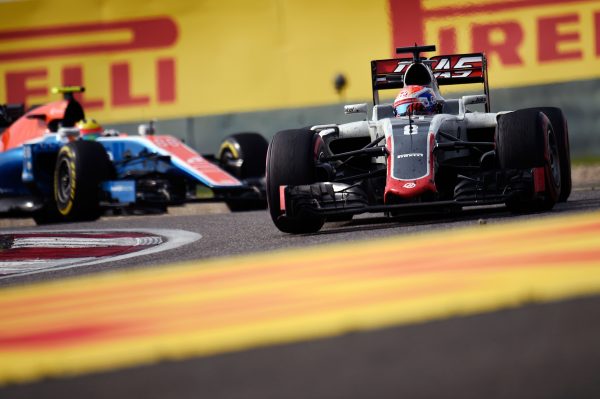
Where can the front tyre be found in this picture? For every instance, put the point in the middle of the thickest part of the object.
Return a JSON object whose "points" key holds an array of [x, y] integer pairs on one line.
{"points": [[291, 162], [80, 168], [561, 131], [526, 140]]}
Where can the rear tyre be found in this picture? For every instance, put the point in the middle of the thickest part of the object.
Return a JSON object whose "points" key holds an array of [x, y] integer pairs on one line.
{"points": [[80, 168], [244, 156], [526, 140], [291, 162], [561, 131]]}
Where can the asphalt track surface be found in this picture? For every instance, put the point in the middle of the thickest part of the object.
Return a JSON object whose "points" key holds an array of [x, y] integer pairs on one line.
{"points": [[225, 234], [549, 350]]}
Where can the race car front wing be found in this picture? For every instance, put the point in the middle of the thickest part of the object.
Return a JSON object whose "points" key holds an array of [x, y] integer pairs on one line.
{"points": [[333, 199]]}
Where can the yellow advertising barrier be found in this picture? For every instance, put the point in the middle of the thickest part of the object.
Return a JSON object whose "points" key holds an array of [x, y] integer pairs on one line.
{"points": [[527, 42], [175, 59]]}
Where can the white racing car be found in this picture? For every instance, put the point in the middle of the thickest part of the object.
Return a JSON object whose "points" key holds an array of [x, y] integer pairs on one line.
{"points": [[420, 153]]}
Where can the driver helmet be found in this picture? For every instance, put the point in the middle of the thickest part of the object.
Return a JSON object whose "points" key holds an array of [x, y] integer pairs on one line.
{"points": [[416, 100], [89, 129]]}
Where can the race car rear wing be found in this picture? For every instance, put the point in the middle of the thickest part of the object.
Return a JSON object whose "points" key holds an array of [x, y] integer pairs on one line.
{"points": [[447, 69]]}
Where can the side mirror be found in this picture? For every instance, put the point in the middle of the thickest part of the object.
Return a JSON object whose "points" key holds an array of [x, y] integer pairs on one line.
{"points": [[355, 109]]}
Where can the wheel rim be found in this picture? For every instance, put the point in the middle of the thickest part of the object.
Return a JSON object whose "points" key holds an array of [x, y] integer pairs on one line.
{"points": [[64, 182], [227, 157], [553, 154], [231, 164]]}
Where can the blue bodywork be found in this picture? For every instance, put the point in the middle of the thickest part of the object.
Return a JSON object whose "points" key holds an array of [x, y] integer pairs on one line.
{"points": [[27, 174], [11, 168]]}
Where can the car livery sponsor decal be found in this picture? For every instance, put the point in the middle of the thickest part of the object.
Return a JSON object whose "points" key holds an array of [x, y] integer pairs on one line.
{"points": [[457, 66], [33, 252], [453, 66], [447, 69], [411, 155]]}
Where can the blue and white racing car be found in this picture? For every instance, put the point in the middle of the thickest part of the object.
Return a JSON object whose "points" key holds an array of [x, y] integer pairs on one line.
{"points": [[51, 170]]}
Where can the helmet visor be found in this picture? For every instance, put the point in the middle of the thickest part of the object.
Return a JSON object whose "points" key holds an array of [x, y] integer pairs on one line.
{"points": [[402, 109]]}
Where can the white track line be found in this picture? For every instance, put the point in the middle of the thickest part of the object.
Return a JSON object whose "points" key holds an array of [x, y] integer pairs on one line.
{"points": [[169, 239], [72, 242]]}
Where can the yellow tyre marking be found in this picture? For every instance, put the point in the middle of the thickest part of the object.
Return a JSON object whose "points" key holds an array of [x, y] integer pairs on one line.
{"points": [[209, 307], [227, 145], [67, 209]]}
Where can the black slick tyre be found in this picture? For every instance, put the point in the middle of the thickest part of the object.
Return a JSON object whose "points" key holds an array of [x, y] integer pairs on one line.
{"points": [[291, 161], [80, 168], [243, 155], [526, 140], [561, 130]]}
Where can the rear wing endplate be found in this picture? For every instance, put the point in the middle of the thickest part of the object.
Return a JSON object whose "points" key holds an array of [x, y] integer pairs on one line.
{"points": [[451, 69]]}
